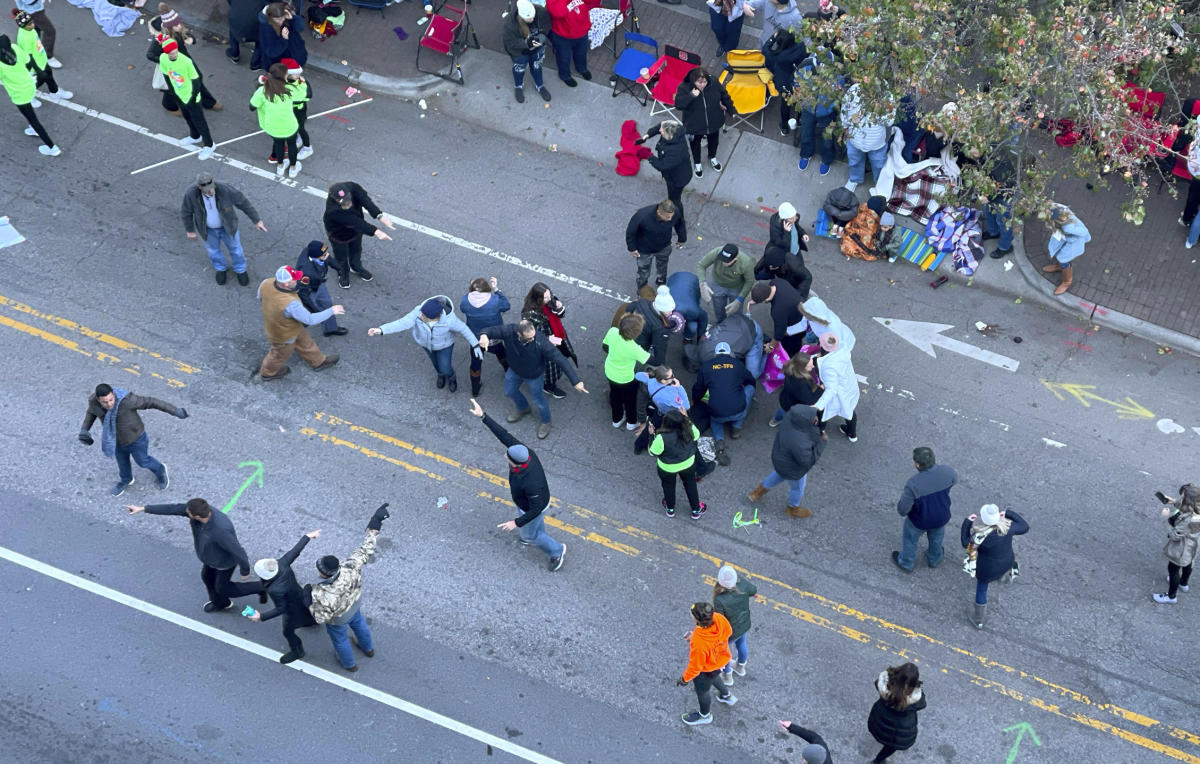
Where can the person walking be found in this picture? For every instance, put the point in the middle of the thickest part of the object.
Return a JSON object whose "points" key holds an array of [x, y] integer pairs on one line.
{"points": [[674, 448], [1183, 538], [286, 322], [671, 158], [313, 264], [482, 307], [209, 212], [988, 538], [622, 356], [893, 718], [798, 444], [302, 93], [569, 25], [184, 81], [336, 600], [704, 104], [545, 311], [272, 102], [731, 280], [21, 86], [528, 352], [525, 38], [529, 490], [708, 653], [730, 389], [280, 36], [1068, 236], [218, 549], [817, 750], [725, 18], [801, 386], [731, 598], [345, 226], [279, 581], [122, 433], [925, 506], [648, 238], [30, 41], [37, 11], [433, 325]]}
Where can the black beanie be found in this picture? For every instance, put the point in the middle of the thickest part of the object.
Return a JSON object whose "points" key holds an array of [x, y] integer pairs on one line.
{"points": [[315, 249], [875, 204], [328, 565]]}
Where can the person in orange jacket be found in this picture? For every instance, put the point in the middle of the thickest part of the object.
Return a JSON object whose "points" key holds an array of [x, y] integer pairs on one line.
{"points": [[708, 653]]}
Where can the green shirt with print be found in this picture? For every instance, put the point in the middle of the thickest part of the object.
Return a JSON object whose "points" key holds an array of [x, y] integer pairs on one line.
{"points": [[181, 75]]}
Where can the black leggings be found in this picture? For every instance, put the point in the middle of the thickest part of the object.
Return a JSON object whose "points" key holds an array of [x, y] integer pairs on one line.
{"points": [[703, 684], [30, 115], [193, 114], [277, 145], [688, 478], [714, 140], [884, 753], [302, 118], [46, 77], [1177, 577], [622, 398]]}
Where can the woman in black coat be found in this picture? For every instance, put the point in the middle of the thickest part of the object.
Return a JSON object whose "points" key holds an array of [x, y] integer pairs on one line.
{"points": [[671, 158], [704, 102], [990, 535], [893, 718]]}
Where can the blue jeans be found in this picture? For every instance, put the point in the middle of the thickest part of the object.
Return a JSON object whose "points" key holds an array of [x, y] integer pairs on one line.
{"points": [[743, 654], [997, 223], [568, 50], [442, 361], [908, 549], [512, 388], [728, 33], [858, 160], [981, 592], [812, 135], [534, 532], [1194, 231], [532, 61], [795, 487], [212, 243], [323, 301], [756, 359], [140, 451], [341, 640], [718, 432]]}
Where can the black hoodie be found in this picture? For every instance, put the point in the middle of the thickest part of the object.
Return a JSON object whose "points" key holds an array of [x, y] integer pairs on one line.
{"points": [[672, 157], [798, 443]]}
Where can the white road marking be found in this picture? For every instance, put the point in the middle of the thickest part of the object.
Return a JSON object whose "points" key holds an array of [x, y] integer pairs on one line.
{"points": [[253, 647], [1055, 443], [1168, 426], [925, 335]]}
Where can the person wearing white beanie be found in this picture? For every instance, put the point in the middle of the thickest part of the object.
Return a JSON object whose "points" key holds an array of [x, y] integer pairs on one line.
{"points": [[731, 598], [279, 582], [525, 38], [988, 538]]}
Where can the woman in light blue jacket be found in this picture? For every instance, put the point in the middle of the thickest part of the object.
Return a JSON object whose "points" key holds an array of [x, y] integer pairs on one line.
{"points": [[1067, 239], [433, 325]]}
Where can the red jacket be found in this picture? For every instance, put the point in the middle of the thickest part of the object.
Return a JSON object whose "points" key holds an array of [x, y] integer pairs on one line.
{"points": [[569, 18], [629, 158]]}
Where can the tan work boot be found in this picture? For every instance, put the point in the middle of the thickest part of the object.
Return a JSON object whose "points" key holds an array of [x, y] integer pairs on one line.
{"points": [[798, 512], [1065, 284], [1051, 268], [758, 492]]}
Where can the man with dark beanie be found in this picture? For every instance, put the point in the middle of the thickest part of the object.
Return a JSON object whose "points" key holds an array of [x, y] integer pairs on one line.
{"points": [[280, 583], [313, 265], [122, 434], [925, 507], [336, 600], [529, 489], [218, 548]]}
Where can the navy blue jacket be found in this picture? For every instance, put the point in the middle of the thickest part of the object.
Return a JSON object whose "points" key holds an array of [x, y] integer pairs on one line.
{"points": [[926, 497], [724, 379], [996, 552], [479, 319]]}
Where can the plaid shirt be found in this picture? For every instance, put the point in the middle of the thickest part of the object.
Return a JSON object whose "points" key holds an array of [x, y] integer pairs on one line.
{"points": [[334, 597]]}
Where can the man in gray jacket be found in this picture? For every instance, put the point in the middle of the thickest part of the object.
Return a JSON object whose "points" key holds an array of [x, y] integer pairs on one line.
{"points": [[209, 212], [122, 434], [925, 507]]}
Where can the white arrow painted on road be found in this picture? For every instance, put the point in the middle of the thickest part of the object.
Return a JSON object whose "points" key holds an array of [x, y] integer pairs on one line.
{"points": [[925, 335]]}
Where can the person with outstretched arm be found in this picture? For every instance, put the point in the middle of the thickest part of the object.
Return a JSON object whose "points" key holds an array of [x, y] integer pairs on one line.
{"points": [[280, 583], [817, 750]]}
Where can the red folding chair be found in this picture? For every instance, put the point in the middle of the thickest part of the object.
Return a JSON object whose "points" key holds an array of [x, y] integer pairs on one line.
{"points": [[663, 78], [449, 32]]}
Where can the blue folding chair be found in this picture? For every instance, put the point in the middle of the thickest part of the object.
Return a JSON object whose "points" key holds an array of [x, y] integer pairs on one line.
{"points": [[630, 65]]}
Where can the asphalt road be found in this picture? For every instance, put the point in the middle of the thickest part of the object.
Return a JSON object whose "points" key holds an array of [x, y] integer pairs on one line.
{"points": [[577, 665]]}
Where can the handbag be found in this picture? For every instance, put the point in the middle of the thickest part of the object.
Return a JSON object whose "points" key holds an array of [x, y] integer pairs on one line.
{"points": [[972, 555]]}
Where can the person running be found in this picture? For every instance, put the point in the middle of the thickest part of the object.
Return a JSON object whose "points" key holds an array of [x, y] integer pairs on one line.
{"points": [[545, 311], [482, 307], [345, 225], [184, 81], [272, 102], [21, 86], [623, 355], [988, 538], [302, 93], [798, 446], [925, 507], [286, 322], [122, 433], [708, 653], [29, 41], [893, 718], [674, 447], [279, 581], [433, 325], [529, 490], [731, 598], [1183, 537]]}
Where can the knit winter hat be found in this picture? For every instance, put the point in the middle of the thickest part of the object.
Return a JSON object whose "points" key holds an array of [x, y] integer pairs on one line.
{"points": [[727, 577], [518, 453], [169, 17], [432, 308], [876, 204], [266, 568], [814, 754], [293, 66], [989, 514], [887, 220], [21, 17], [169, 46], [328, 565], [787, 210], [316, 249], [525, 10], [663, 301]]}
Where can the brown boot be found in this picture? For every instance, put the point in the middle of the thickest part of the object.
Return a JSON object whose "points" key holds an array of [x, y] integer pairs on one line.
{"points": [[1065, 284], [758, 493], [1051, 268], [798, 512]]}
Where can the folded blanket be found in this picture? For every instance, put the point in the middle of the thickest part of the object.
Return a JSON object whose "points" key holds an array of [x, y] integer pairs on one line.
{"points": [[914, 196], [114, 20]]}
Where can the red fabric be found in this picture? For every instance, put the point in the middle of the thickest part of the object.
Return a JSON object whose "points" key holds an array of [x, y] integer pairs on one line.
{"points": [[556, 327], [629, 158], [569, 18]]}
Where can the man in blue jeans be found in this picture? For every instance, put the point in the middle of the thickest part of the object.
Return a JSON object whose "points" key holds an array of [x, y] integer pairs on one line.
{"points": [[528, 352], [122, 433], [925, 507], [209, 212], [730, 388], [529, 489]]}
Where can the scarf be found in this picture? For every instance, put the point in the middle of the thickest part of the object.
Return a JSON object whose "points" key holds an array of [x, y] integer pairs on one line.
{"points": [[108, 434], [1000, 527], [556, 324], [727, 8]]}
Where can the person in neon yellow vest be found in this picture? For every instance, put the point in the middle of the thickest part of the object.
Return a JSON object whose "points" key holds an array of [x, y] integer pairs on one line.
{"points": [[16, 75], [184, 81]]}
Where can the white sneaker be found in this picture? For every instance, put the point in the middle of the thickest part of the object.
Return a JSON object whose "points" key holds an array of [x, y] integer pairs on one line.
{"points": [[282, 167], [67, 94], [189, 141], [304, 153], [31, 132], [715, 164], [729, 699], [1188, 245], [617, 425], [1163, 599], [50, 151], [55, 63], [699, 170], [631, 426], [295, 170], [850, 185], [206, 153], [1182, 588], [35, 103]]}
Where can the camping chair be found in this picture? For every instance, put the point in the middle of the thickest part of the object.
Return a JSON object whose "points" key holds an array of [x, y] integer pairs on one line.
{"points": [[664, 76], [749, 84], [629, 18], [633, 61], [450, 33], [375, 5]]}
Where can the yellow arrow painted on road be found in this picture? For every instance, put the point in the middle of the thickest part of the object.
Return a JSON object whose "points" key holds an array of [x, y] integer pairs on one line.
{"points": [[1129, 409]]}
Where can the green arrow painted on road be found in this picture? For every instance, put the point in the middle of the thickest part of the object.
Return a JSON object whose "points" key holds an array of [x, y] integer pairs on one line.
{"points": [[1021, 728], [256, 475]]}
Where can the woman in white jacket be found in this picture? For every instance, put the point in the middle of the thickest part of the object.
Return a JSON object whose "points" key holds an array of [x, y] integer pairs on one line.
{"points": [[836, 367]]}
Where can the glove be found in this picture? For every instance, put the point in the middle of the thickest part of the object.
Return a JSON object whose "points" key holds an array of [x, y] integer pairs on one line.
{"points": [[477, 351], [680, 683], [181, 413], [381, 514], [705, 291], [85, 438], [734, 306]]}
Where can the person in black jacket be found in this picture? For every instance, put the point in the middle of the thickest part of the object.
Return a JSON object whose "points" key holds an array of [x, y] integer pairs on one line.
{"points": [[314, 264], [345, 225], [785, 231], [529, 489], [798, 445], [671, 158], [168, 25], [704, 102], [801, 386], [243, 26], [528, 351], [648, 238], [730, 388], [526, 33], [817, 750], [783, 53], [776, 262], [785, 311], [217, 546], [656, 332], [893, 718], [283, 589], [988, 537]]}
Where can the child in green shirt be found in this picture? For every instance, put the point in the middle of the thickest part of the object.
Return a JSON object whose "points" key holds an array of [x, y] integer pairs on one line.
{"points": [[301, 95], [18, 82], [277, 118], [30, 41], [184, 80]]}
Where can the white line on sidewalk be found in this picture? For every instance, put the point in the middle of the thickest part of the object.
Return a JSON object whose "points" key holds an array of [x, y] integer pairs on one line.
{"points": [[253, 647]]}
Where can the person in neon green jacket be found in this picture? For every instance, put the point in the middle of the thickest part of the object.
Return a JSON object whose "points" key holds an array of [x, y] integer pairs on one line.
{"points": [[301, 95], [30, 41], [184, 80], [16, 75], [277, 118]]}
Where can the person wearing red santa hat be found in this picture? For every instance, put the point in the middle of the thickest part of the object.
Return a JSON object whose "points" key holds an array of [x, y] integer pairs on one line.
{"points": [[301, 92]]}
